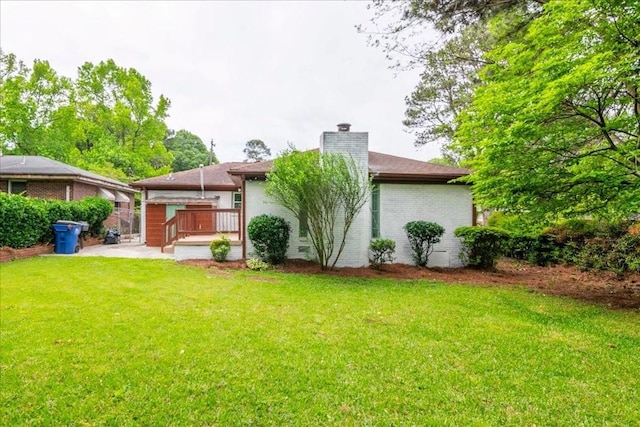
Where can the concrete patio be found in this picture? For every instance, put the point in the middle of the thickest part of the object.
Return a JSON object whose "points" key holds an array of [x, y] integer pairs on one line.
{"points": [[133, 249]]}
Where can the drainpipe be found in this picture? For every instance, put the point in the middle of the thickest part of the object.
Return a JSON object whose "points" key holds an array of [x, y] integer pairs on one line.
{"points": [[202, 181]]}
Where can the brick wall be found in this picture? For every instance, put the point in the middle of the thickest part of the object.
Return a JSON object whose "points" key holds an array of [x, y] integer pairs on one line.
{"points": [[47, 189], [446, 204], [9, 254], [356, 145], [257, 203], [81, 190]]}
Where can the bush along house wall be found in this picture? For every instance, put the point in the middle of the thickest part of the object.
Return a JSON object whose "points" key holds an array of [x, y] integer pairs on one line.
{"points": [[27, 222]]}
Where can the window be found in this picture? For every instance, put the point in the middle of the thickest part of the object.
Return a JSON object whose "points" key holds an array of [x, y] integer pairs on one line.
{"points": [[375, 211], [17, 187], [236, 200], [304, 226]]}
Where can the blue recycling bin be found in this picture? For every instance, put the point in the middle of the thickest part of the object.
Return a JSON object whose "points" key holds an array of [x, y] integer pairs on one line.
{"points": [[67, 233]]}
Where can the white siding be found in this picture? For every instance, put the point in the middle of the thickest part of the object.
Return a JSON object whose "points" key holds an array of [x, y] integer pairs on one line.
{"points": [[445, 204], [257, 203], [355, 252]]}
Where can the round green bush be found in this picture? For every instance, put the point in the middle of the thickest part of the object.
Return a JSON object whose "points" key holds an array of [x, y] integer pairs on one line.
{"points": [[270, 237], [220, 248], [422, 237], [481, 246], [381, 251]]}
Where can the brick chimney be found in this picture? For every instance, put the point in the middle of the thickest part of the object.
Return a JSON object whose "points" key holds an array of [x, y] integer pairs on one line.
{"points": [[346, 142], [355, 145]]}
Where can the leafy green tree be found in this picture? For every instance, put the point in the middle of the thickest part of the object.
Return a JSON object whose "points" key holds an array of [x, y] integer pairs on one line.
{"points": [[256, 151], [543, 102], [327, 191], [105, 120], [555, 126], [34, 108], [188, 151], [445, 161], [119, 123], [450, 64]]}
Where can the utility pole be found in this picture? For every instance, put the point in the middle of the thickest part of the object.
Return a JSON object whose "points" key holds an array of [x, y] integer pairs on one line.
{"points": [[211, 152]]}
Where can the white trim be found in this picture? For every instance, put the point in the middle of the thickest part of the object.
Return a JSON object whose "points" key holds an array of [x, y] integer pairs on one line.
{"points": [[10, 186]]}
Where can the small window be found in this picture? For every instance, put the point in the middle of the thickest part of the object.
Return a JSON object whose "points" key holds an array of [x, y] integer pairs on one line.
{"points": [[236, 200], [17, 187], [375, 211], [304, 225]]}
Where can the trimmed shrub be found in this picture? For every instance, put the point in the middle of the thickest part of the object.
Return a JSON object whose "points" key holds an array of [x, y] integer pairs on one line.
{"points": [[23, 221], [593, 254], [220, 248], [519, 246], [28, 221], [94, 210], [270, 237], [630, 245], [256, 264], [381, 251], [55, 210], [423, 236], [544, 251], [481, 246]]}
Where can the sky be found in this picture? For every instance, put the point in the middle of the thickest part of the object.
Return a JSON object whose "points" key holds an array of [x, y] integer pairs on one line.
{"points": [[279, 71]]}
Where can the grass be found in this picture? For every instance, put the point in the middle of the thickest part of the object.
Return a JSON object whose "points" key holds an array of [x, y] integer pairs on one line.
{"points": [[103, 341]]}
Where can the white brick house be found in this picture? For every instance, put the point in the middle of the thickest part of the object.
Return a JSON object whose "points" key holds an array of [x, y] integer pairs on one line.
{"points": [[403, 190]]}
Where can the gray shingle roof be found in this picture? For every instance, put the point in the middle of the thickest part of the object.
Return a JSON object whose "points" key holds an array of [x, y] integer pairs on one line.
{"points": [[215, 176], [381, 166], [43, 166]]}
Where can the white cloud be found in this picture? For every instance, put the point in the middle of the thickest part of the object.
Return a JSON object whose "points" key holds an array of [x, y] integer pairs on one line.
{"points": [[234, 71]]}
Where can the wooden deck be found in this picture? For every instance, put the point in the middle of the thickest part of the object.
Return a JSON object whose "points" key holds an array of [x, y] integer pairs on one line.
{"points": [[202, 240], [201, 225], [234, 237]]}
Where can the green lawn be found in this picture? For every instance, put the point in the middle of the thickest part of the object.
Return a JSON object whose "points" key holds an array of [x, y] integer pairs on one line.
{"points": [[99, 341]]}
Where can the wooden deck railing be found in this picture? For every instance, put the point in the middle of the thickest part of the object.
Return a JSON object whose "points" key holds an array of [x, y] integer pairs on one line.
{"points": [[190, 222]]}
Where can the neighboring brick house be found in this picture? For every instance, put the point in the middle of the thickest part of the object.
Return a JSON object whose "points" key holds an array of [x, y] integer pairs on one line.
{"points": [[403, 190], [209, 187], [41, 177]]}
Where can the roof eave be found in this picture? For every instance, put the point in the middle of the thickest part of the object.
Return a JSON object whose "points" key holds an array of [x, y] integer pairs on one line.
{"points": [[415, 178], [77, 178], [185, 187]]}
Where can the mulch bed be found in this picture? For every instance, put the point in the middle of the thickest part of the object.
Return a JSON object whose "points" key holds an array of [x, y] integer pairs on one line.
{"points": [[561, 280]]}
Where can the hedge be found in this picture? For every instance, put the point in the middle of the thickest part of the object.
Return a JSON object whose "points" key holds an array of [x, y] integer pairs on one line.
{"points": [[588, 244], [26, 222]]}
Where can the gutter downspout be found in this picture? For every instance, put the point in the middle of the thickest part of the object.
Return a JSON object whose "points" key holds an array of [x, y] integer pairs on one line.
{"points": [[243, 217], [202, 181]]}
